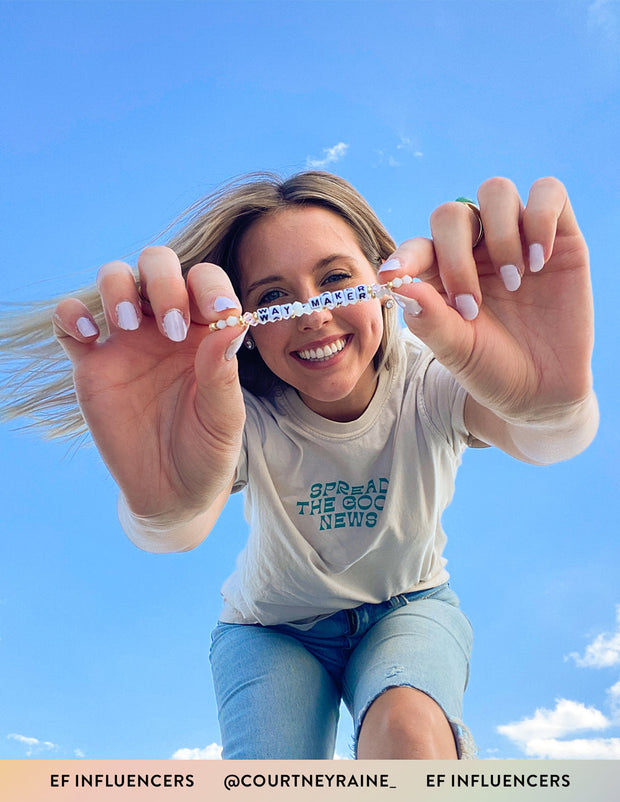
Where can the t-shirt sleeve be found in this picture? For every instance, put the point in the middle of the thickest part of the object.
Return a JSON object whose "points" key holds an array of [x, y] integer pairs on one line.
{"points": [[241, 475], [442, 401], [440, 398]]}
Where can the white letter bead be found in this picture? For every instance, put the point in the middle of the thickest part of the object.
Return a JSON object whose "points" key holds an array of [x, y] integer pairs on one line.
{"points": [[275, 313]]}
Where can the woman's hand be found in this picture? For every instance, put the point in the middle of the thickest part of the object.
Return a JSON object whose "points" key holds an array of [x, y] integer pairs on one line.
{"points": [[161, 394], [511, 318]]}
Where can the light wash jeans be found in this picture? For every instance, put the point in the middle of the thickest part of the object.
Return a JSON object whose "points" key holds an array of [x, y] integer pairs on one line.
{"points": [[279, 688]]}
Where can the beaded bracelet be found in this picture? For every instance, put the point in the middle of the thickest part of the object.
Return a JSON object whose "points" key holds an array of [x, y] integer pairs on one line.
{"points": [[326, 300]]}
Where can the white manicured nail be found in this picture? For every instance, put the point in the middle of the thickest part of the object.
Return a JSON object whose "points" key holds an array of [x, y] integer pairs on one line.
{"points": [[221, 304], [466, 306], [86, 327], [234, 346], [511, 277], [409, 305], [391, 264], [126, 316], [174, 326], [537, 257]]}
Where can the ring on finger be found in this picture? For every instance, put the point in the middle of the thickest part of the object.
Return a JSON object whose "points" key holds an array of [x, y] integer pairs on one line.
{"points": [[142, 296], [470, 204]]}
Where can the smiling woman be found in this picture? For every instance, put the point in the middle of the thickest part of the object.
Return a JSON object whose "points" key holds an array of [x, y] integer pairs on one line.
{"points": [[344, 433]]}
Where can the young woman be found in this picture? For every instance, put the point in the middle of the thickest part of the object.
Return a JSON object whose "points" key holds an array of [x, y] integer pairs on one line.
{"points": [[344, 432]]}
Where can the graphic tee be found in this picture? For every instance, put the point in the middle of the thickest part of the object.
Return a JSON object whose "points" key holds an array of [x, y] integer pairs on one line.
{"points": [[342, 514]]}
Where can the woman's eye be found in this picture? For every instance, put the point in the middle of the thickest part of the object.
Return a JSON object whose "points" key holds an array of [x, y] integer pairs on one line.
{"points": [[336, 277], [270, 297]]}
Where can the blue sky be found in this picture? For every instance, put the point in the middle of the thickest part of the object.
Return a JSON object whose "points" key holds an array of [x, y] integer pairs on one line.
{"points": [[115, 117]]}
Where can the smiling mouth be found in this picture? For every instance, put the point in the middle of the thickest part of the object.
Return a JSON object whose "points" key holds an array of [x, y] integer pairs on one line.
{"points": [[324, 353]]}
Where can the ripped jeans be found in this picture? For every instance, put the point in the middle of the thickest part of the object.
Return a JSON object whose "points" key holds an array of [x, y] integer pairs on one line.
{"points": [[279, 688]]}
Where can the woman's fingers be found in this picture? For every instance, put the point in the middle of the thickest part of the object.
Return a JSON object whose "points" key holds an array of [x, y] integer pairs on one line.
{"points": [[548, 212], [211, 294], [501, 210], [163, 286], [213, 300], [117, 286], [75, 328], [455, 227]]}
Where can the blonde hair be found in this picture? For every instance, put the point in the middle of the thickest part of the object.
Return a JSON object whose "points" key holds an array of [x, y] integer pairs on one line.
{"points": [[39, 382]]}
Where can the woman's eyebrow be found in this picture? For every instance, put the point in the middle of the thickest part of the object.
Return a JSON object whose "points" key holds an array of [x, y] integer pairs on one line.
{"points": [[261, 282], [320, 265]]}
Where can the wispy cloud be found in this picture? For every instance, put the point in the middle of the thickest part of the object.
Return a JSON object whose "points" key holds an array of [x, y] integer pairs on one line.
{"points": [[331, 156], [33, 745], [603, 652], [405, 148], [602, 20], [406, 143], [211, 752], [613, 694]]}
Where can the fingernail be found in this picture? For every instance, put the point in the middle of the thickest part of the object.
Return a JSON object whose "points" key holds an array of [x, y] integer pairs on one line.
{"points": [[466, 306], [391, 264], [234, 346], [86, 327], [537, 257], [409, 305], [511, 277], [221, 304], [174, 326], [126, 316]]}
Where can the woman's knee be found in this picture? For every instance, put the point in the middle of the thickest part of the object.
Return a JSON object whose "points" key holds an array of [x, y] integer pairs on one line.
{"points": [[404, 723]]}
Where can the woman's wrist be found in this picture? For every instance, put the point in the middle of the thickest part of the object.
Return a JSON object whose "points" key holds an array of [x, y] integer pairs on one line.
{"points": [[159, 533], [555, 435]]}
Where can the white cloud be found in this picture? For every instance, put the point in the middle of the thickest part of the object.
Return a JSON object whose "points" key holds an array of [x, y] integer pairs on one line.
{"points": [[542, 735], [332, 155], [33, 744], [578, 749], [603, 652], [568, 717], [538, 736], [211, 752]]}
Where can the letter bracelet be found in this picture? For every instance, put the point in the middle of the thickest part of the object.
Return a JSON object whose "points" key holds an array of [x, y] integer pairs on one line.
{"points": [[326, 300]]}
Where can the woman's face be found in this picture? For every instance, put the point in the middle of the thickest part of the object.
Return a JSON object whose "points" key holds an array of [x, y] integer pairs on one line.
{"points": [[293, 255]]}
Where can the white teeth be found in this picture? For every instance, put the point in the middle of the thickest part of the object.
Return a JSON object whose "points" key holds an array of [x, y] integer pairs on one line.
{"points": [[324, 353]]}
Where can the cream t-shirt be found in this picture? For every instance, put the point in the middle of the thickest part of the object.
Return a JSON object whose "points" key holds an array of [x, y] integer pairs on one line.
{"points": [[346, 513]]}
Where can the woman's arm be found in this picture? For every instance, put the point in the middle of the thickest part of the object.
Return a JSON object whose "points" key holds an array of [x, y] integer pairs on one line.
{"points": [[162, 536], [557, 436], [161, 395]]}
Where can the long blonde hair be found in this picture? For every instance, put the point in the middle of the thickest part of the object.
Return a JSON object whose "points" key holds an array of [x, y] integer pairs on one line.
{"points": [[38, 383]]}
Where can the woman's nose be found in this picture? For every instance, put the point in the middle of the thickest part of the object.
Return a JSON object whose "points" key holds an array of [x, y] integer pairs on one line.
{"points": [[314, 321]]}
